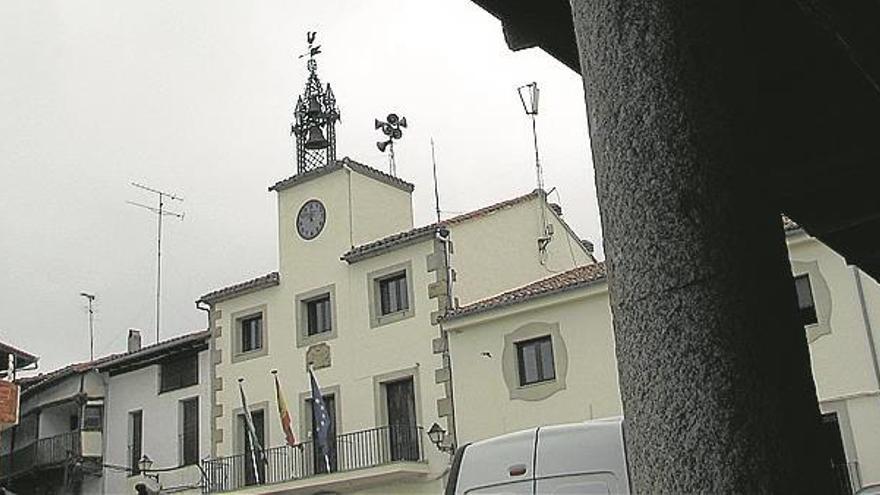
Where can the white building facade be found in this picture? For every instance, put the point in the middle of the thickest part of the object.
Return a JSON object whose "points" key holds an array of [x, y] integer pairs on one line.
{"points": [[84, 428], [544, 354], [156, 404], [356, 296]]}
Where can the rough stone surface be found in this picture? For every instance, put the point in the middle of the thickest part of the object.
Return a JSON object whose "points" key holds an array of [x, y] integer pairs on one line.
{"points": [[714, 367], [318, 356]]}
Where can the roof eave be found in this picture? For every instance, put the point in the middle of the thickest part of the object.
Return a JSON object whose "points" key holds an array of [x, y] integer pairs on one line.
{"points": [[271, 280], [354, 257], [347, 164], [466, 312]]}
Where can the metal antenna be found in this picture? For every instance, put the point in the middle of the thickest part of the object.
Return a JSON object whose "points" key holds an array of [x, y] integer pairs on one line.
{"points": [[91, 299], [160, 212], [436, 187]]}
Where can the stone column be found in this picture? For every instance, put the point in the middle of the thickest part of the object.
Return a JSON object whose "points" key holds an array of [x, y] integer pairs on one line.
{"points": [[714, 366]]}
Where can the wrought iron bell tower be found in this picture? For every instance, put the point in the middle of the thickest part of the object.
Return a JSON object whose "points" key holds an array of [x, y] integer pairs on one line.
{"points": [[315, 117]]}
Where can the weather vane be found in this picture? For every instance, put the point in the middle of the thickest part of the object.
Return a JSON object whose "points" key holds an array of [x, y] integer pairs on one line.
{"points": [[392, 129], [315, 118]]}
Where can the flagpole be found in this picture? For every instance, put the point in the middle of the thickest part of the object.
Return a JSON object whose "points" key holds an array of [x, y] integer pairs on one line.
{"points": [[318, 398], [250, 436]]}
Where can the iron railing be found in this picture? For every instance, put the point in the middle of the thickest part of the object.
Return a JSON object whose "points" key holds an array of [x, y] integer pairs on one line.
{"points": [[41, 453], [348, 452]]}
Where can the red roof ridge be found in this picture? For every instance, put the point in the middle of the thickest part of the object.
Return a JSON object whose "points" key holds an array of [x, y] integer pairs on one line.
{"points": [[579, 276], [268, 280]]}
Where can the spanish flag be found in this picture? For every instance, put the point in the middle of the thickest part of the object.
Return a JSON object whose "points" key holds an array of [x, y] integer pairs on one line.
{"points": [[283, 413]]}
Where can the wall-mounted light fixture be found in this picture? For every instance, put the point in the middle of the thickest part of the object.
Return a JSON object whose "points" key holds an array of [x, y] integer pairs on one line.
{"points": [[437, 435]]}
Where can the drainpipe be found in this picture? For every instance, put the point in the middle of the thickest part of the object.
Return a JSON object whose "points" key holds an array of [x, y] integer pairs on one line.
{"points": [[208, 309], [443, 234], [105, 379], [872, 344]]}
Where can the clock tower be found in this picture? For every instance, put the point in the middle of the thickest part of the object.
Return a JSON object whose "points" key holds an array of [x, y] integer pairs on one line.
{"points": [[329, 205]]}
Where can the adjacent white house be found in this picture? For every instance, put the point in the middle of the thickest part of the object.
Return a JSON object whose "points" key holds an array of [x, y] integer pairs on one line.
{"points": [[86, 427], [543, 354], [156, 405]]}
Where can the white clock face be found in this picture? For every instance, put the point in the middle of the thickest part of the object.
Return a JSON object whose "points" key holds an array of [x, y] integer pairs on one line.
{"points": [[310, 220]]}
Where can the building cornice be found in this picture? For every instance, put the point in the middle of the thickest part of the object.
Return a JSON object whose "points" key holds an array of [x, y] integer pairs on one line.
{"points": [[345, 163], [271, 279]]}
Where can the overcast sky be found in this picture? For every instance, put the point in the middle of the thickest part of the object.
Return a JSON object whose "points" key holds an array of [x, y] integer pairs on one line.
{"points": [[195, 97]]}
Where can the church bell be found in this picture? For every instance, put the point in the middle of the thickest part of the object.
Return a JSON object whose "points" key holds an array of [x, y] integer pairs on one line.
{"points": [[316, 139], [314, 110]]}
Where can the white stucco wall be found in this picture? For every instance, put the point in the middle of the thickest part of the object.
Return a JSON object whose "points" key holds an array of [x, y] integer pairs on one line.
{"points": [[483, 405], [361, 352], [848, 335], [139, 390], [846, 377], [843, 369], [358, 354], [500, 251]]}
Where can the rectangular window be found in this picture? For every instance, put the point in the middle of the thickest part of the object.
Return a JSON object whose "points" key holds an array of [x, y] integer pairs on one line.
{"points": [[252, 333], [189, 435], [74, 422], [806, 305], [535, 360], [318, 315], [179, 372], [93, 418], [135, 440], [393, 294]]}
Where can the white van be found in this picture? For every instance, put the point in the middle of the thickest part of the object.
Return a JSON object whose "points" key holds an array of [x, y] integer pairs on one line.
{"points": [[582, 458]]}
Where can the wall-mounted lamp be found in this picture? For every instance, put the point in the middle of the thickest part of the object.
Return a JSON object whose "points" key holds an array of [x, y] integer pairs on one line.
{"points": [[144, 465], [437, 435]]}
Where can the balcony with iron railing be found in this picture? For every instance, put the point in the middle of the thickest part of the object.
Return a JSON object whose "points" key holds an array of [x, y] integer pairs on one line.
{"points": [[41, 453], [359, 454]]}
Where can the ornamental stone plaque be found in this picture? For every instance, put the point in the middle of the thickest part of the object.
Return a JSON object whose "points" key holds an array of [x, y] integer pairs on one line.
{"points": [[318, 356]]}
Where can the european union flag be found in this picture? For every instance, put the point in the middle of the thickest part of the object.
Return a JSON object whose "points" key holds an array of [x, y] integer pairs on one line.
{"points": [[322, 418]]}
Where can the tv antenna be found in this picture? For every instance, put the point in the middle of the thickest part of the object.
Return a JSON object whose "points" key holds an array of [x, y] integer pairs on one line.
{"points": [[160, 212], [91, 299]]}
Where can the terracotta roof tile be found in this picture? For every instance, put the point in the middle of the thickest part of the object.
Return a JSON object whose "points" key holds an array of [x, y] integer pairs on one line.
{"points": [[348, 162], [254, 284], [32, 384], [575, 278], [411, 236]]}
